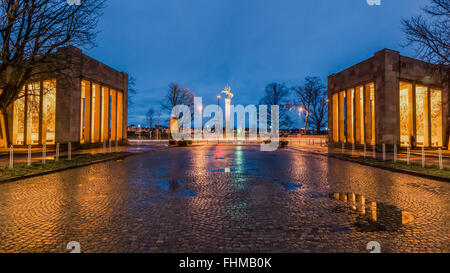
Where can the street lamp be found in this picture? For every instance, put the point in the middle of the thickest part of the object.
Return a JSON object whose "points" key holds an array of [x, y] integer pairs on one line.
{"points": [[300, 110]]}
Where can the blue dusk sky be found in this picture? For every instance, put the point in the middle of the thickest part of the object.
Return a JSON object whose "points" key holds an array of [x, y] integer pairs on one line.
{"points": [[207, 44]]}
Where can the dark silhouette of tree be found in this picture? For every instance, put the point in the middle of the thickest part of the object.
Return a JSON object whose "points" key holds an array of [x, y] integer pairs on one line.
{"points": [[312, 97], [176, 97], [30, 33], [150, 117], [132, 91], [430, 33], [277, 94]]}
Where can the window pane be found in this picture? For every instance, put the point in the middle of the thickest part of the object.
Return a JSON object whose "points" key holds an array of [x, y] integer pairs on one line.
{"points": [[95, 113], [406, 114], [342, 116], [359, 118], [113, 114], [33, 105], [421, 116], [49, 110], [349, 120], [370, 113], [436, 117], [105, 114]]}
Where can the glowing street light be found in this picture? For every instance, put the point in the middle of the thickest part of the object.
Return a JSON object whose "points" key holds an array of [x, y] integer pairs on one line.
{"points": [[300, 110]]}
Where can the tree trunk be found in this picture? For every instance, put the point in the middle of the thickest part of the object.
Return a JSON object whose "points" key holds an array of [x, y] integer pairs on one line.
{"points": [[306, 121], [4, 116], [318, 127]]}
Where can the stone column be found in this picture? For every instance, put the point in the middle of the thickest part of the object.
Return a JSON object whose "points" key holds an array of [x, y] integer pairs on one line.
{"points": [[228, 133]]}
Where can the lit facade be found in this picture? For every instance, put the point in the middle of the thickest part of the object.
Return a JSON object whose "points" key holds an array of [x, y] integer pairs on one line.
{"points": [[389, 99], [86, 104]]}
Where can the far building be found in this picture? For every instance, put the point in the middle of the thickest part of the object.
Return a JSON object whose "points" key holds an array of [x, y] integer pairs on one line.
{"points": [[390, 99], [85, 104]]}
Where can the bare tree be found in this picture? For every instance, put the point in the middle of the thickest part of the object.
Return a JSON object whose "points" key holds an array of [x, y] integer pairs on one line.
{"points": [[31, 31], [277, 94], [150, 117], [430, 33], [176, 97], [312, 97], [132, 91]]}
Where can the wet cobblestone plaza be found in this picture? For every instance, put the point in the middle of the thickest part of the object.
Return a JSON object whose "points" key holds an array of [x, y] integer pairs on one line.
{"points": [[225, 199]]}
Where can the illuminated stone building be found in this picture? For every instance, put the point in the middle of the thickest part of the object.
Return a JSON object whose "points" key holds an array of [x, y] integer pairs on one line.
{"points": [[389, 99], [84, 104]]}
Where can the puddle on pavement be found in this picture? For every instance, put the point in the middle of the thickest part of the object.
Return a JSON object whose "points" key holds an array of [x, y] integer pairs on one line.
{"points": [[174, 187], [226, 170], [288, 185], [372, 216]]}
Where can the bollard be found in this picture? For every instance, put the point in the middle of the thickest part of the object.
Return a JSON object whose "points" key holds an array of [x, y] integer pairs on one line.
{"points": [[29, 156], [44, 153], [343, 147], [423, 157], [57, 152], [109, 148], [104, 147], [408, 155], [353, 149], [441, 163], [11, 157], [365, 149], [69, 151], [117, 145], [395, 153], [384, 152], [374, 151]]}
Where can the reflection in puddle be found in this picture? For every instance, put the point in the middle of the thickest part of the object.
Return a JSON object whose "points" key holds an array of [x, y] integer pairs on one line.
{"points": [[372, 216], [174, 188], [226, 170], [289, 186]]}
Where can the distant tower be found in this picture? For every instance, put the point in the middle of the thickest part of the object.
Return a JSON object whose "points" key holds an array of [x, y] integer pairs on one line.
{"points": [[227, 91]]}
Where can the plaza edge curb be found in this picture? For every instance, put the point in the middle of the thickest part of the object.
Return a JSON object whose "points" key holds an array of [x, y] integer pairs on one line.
{"points": [[428, 176], [17, 178]]}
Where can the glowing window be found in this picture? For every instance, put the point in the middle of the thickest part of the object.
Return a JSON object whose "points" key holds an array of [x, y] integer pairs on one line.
{"points": [[105, 114], [436, 117], [406, 114], [33, 109], [349, 117], [370, 113], [113, 114], [19, 119], [49, 111], [422, 116], [95, 113], [359, 115], [342, 107]]}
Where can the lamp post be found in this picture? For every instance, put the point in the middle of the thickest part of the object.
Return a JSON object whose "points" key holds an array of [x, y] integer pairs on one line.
{"points": [[300, 110]]}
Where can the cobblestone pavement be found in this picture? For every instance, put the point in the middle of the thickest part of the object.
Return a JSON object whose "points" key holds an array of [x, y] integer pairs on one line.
{"points": [[225, 199]]}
